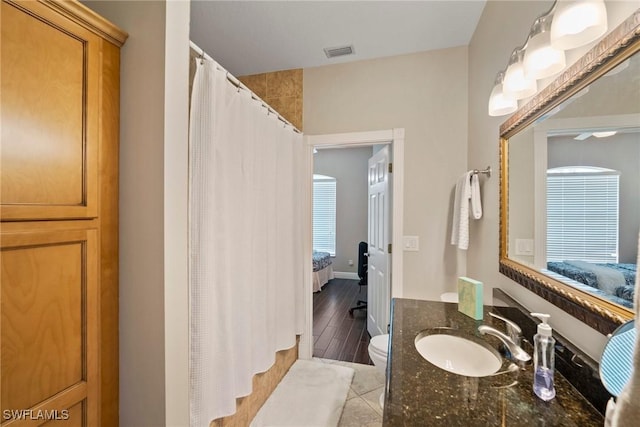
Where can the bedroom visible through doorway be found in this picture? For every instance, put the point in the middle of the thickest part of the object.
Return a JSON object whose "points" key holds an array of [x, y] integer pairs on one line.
{"points": [[340, 217], [332, 331]]}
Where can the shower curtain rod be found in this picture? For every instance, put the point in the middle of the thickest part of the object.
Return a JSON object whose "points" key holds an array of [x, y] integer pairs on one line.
{"points": [[237, 83]]}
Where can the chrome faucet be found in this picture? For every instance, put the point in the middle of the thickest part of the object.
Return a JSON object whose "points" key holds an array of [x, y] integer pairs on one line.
{"points": [[513, 330], [517, 353]]}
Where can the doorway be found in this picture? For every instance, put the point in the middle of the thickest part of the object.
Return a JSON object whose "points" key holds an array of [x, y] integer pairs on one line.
{"points": [[394, 139]]}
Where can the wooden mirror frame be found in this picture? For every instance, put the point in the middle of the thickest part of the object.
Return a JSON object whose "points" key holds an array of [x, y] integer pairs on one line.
{"points": [[617, 46]]}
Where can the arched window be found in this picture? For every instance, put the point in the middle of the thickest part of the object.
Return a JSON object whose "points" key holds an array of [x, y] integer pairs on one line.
{"points": [[324, 214], [582, 214]]}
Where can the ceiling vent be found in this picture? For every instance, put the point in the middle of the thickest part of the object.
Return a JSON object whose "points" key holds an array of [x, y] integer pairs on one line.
{"points": [[333, 52]]}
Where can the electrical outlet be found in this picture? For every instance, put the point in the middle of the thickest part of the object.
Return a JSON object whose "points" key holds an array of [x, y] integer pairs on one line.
{"points": [[350, 262]]}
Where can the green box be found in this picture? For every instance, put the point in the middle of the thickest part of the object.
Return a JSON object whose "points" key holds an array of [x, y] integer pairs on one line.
{"points": [[470, 297]]}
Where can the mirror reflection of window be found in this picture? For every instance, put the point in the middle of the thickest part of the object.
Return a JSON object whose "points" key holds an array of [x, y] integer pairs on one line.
{"points": [[583, 228], [582, 214], [609, 147]]}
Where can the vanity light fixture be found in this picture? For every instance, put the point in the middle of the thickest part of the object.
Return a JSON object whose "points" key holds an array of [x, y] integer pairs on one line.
{"points": [[577, 23], [499, 102], [515, 83], [541, 59], [567, 25]]}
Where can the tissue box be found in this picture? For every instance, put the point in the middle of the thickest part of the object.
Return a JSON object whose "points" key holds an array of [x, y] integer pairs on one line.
{"points": [[470, 297]]}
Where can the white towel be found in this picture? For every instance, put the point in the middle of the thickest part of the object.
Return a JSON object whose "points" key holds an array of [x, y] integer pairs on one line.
{"points": [[626, 411], [467, 190], [476, 203]]}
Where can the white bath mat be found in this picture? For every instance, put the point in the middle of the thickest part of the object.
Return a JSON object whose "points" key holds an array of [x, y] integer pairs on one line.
{"points": [[311, 394]]}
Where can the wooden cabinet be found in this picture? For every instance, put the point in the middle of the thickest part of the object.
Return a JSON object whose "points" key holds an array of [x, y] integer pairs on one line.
{"points": [[59, 112]]}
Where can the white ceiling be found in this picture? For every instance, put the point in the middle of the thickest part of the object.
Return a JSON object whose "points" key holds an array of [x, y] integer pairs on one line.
{"points": [[250, 37]]}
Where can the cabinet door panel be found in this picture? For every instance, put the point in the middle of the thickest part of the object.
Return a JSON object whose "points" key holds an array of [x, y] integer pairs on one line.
{"points": [[49, 83], [73, 417], [48, 311]]}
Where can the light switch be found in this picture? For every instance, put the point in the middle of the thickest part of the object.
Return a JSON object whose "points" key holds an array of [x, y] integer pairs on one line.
{"points": [[411, 243], [524, 246]]}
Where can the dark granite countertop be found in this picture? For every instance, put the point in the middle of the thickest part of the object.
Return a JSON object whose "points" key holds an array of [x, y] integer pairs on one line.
{"points": [[421, 394]]}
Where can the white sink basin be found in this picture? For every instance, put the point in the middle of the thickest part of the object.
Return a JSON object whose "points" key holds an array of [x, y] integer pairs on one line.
{"points": [[456, 353]]}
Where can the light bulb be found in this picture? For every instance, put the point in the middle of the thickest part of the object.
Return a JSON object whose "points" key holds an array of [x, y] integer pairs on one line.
{"points": [[515, 83], [576, 23], [499, 102], [541, 59]]}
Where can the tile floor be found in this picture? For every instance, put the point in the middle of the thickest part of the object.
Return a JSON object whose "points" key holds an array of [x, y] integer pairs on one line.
{"points": [[362, 408]]}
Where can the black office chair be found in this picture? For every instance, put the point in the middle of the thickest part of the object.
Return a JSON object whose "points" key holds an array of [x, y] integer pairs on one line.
{"points": [[362, 273]]}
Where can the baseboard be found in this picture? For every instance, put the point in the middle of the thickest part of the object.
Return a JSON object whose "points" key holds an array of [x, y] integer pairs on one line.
{"points": [[345, 275]]}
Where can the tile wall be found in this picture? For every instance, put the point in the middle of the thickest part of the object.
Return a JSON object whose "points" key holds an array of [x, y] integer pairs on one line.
{"points": [[263, 385], [282, 90]]}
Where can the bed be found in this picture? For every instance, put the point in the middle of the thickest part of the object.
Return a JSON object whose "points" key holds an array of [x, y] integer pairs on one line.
{"points": [[322, 269], [615, 281]]}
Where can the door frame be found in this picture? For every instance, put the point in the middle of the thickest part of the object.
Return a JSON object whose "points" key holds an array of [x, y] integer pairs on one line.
{"points": [[394, 137]]}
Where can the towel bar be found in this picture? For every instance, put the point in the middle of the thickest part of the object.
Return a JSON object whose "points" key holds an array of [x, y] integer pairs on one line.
{"points": [[486, 171]]}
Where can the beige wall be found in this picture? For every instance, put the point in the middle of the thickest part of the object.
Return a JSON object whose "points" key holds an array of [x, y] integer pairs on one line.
{"points": [[349, 166], [175, 186], [141, 235], [502, 27], [153, 144], [425, 93]]}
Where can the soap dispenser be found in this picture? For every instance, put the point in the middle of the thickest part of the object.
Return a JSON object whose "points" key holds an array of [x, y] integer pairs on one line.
{"points": [[543, 359]]}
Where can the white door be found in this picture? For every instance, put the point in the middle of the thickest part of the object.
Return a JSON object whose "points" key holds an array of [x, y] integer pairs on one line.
{"points": [[378, 289]]}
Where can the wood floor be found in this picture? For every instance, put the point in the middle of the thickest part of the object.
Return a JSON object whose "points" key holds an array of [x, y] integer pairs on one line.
{"points": [[336, 334]]}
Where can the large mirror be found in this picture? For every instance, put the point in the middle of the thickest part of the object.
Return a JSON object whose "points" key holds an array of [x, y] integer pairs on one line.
{"points": [[570, 185]]}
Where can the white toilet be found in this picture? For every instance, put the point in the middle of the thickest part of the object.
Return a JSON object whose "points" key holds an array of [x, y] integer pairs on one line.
{"points": [[378, 350]]}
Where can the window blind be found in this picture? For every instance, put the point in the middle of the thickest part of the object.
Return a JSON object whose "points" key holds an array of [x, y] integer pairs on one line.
{"points": [[324, 214], [582, 215]]}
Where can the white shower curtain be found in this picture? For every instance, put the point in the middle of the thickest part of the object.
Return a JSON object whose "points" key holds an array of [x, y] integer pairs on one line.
{"points": [[246, 254]]}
